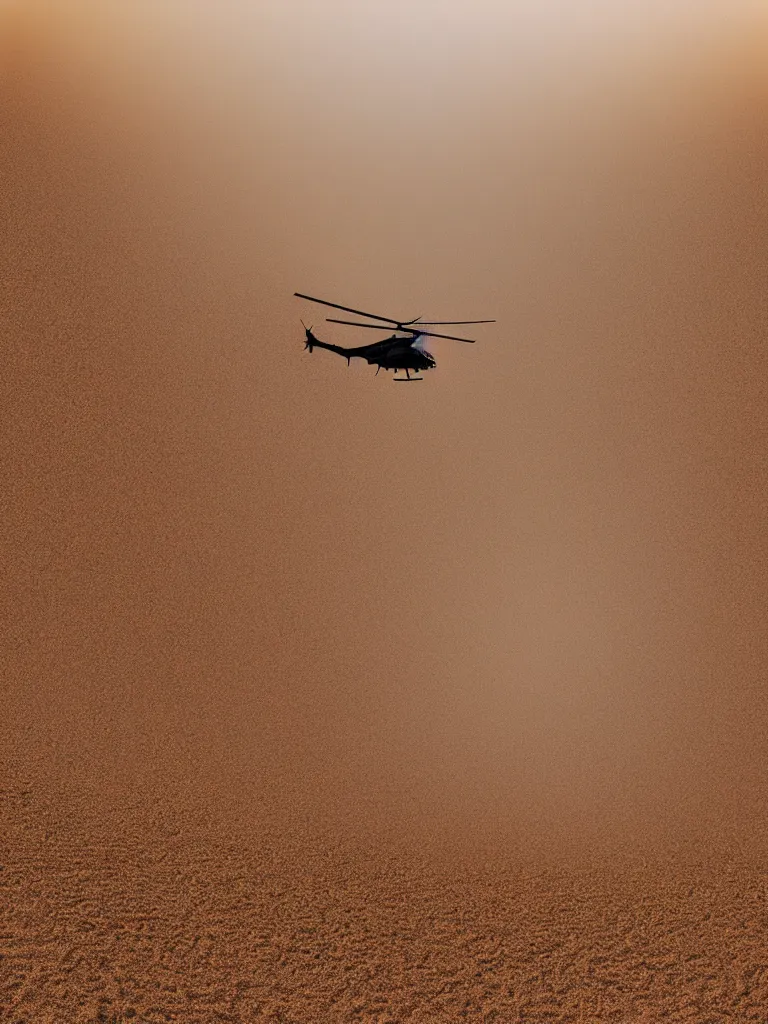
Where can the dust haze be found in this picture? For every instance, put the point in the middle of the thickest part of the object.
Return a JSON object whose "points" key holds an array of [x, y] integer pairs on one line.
{"points": [[528, 594]]}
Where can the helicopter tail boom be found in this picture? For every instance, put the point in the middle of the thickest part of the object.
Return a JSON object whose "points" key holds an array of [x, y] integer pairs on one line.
{"points": [[312, 342]]}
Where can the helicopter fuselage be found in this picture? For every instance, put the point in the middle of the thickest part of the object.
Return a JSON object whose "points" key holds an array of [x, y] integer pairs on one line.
{"points": [[395, 353]]}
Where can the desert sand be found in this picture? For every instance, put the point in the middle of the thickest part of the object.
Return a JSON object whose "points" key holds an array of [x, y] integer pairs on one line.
{"points": [[150, 910], [325, 700]]}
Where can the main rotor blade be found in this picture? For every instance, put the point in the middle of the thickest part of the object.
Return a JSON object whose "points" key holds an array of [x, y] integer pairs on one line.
{"points": [[409, 330], [450, 337], [435, 323], [347, 309], [353, 323]]}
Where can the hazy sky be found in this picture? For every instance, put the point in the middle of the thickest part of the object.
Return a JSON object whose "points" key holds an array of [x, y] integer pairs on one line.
{"points": [[535, 583]]}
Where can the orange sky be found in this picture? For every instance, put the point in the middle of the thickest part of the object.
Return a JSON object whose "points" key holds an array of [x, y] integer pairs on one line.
{"points": [[532, 587]]}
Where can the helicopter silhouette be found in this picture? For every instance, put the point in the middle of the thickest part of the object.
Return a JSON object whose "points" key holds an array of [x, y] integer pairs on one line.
{"points": [[401, 354]]}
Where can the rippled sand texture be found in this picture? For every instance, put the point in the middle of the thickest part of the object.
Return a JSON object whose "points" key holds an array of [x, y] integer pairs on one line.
{"points": [[323, 700], [145, 914]]}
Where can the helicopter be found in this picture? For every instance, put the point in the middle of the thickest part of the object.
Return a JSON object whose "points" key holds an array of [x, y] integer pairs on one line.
{"points": [[401, 354]]}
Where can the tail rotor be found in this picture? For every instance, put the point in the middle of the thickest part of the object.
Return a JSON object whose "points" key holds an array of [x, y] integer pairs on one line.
{"points": [[310, 339]]}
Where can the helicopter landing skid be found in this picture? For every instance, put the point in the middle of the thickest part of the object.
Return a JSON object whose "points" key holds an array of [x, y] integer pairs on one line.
{"points": [[405, 380]]}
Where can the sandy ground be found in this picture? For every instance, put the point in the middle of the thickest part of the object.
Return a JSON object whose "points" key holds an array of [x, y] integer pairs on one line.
{"points": [[146, 909]]}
